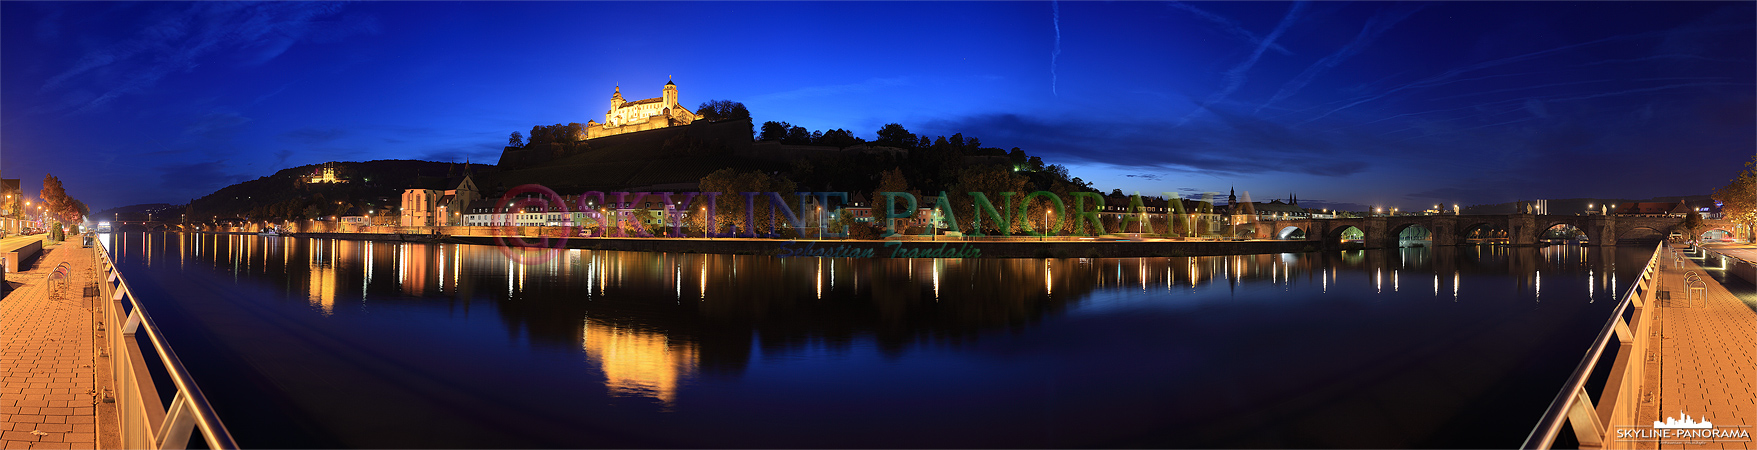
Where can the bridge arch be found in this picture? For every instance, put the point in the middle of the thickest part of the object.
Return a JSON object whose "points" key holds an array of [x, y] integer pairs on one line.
{"points": [[1718, 232], [1561, 230], [1398, 233], [1344, 234], [1291, 233], [1482, 232], [1641, 233]]}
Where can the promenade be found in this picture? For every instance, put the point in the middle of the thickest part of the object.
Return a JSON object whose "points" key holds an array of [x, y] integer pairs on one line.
{"points": [[1706, 350], [48, 395]]}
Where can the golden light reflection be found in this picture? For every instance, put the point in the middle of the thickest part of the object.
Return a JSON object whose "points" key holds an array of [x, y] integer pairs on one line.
{"points": [[414, 272], [1048, 277], [936, 280], [366, 269], [638, 362], [323, 282]]}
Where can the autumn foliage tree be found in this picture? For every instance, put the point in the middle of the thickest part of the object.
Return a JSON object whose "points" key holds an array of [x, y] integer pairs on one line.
{"points": [[58, 204], [1739, 198], [729, 207]]}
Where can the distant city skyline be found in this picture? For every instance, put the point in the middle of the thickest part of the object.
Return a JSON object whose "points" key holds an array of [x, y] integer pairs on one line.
{"points": [[1348, 105]]}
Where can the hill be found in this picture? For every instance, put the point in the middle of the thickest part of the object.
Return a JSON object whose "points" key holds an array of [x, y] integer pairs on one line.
{"points": [[674, 158], [286, 194]]}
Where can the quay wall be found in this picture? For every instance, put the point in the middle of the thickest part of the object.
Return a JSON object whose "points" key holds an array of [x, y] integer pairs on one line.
{"points": [[17, 254], [1736, 266]]}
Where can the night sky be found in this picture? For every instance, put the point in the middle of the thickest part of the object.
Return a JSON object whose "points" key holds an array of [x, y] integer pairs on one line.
{"points": [[1374, 103]]}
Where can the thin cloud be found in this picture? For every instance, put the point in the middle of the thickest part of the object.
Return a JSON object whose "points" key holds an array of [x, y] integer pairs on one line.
{"points": [[1375, 27], [252, 32], [1231, 27], [1448, 76], [833, 90]]}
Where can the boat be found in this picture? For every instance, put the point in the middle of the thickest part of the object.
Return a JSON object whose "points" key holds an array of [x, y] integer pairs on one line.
{"points": [[268, 232]]}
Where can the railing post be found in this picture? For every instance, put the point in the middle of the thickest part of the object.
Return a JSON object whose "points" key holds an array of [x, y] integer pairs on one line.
{"points": [[1584, 419], [179, 424]]}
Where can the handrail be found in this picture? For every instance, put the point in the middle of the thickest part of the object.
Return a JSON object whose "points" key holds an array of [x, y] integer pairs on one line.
{"points": [[152, 424], [1572, 403]]}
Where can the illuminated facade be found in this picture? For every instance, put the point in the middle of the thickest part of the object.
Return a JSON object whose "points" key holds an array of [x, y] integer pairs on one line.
{"points": [[432, 204], [641, 115], [324, 174]]}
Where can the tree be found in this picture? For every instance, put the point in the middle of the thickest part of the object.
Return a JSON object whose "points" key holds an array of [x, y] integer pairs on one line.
{"points": [[894, 135], [797, 135], [517, 140], [1692, 225], [719, 110], [993, 182], [890, 181], [729, 208], [774, 131], [56, 202], [1738, 199], [839, 138]]}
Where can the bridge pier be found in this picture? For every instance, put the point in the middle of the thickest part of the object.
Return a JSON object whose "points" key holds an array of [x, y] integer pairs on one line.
{"points": [[1445, 231], [1521, 230], [1601, 230], [1374, 234]]}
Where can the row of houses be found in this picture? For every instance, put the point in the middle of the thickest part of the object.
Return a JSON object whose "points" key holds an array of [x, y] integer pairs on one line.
{"points": [[456, 200]]}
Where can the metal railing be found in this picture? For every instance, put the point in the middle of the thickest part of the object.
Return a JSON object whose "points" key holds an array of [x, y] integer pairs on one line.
{"points": [[146, 420], [1618, 401]]}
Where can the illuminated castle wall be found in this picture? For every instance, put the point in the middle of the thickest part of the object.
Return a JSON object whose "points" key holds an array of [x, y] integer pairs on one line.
{"points": [[641, 115]]}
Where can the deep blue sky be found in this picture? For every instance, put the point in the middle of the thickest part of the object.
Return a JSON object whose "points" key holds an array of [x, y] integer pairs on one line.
{"points": [[1399, 104]]}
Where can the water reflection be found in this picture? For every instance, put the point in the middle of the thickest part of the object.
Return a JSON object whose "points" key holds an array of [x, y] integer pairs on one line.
{"points": [[638, 362], [703, 335]]}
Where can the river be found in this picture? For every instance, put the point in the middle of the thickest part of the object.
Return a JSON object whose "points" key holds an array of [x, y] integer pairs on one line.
{"points": [[302, 342]]}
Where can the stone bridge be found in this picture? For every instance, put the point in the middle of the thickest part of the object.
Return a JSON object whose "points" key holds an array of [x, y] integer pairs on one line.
{"points": [[1520, 229], [143, 225]]}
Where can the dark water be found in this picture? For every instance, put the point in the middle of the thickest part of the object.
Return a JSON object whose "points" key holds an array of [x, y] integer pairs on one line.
{"points": [[320, 343]]}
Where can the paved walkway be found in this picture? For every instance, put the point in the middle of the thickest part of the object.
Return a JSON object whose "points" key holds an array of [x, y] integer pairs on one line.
{"points": [[47, 358], [1707, 355]]}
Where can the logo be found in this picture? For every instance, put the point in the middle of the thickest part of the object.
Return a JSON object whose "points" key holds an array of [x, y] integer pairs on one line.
{"points": [[1682, 424], [1684, 429]]}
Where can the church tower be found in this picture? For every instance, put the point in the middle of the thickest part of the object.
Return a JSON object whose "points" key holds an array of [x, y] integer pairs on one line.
{"points": [[616, 98], [670, 94]]}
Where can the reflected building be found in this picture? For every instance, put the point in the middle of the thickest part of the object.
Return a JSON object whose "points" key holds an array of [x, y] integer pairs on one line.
{"points": [[637, 362]]}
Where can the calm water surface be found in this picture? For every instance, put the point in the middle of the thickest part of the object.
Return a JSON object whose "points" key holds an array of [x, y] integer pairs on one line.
{"points": [[322, 343]]}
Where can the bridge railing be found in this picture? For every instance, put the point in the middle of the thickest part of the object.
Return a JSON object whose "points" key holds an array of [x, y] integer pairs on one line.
{"points": [[146, 421], [1618, 402]]}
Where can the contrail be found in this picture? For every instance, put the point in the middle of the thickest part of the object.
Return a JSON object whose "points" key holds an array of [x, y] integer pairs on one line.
{"points": [[1056, 20], [1448, 76], [1231, 27], [1235, 78], [1374, 27]]}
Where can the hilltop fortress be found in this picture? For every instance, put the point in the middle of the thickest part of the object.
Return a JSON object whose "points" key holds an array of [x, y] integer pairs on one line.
{"points": [[641, 115]]}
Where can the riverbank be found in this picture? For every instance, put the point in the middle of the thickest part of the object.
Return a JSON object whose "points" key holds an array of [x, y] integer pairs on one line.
{"points": [[910, 248]]}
